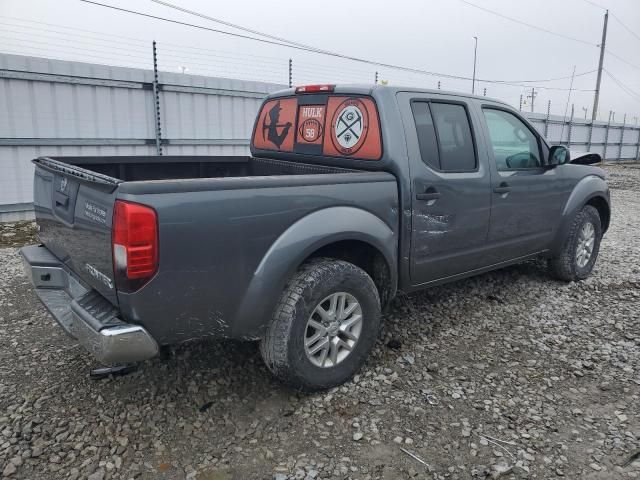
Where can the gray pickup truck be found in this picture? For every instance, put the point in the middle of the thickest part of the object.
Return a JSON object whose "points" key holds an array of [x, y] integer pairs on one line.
{"points": [[350, 193]]}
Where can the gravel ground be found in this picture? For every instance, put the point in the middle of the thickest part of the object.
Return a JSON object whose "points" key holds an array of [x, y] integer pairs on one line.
{"points": [[507, 375]]}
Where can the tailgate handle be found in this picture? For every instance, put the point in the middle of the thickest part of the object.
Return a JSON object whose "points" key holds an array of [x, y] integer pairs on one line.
{"points": [[61, 199]]}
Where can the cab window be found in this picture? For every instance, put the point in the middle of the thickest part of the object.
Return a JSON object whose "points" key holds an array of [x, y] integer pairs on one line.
{"points": [[444, 136], [514, 145]]}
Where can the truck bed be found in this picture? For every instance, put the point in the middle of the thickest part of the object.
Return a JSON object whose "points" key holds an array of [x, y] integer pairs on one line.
{"points": [[226, 228], [154, 167]]}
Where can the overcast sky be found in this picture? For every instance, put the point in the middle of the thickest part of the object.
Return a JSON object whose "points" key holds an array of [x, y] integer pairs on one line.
{"points": [[432, 35]]}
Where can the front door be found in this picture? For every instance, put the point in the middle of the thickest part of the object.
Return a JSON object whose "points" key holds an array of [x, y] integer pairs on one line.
{"points": [[527, 197], [450, 187]]}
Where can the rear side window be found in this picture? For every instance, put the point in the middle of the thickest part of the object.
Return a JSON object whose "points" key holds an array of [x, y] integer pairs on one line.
{"points": [[455, 140], [444, 136], [426, 134]]}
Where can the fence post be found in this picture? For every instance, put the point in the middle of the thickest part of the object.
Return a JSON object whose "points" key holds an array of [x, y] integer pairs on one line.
{"points": [[570, 127], [606, 137], [290, 73], [546, 120], [624, 122], [156, 98]]}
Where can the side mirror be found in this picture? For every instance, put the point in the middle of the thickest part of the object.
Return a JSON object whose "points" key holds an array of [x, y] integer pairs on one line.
{"points": [[558, 155]]}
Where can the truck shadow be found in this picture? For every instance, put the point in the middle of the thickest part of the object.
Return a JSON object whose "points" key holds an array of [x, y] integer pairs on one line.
{"points": [[223, 367]]}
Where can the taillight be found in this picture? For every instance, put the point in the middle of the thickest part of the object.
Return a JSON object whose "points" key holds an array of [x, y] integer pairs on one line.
{"points": [[315, 88], [135, 244]]}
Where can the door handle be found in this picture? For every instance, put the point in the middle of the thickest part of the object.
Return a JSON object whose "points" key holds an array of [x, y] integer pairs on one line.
{"points": [[61, 199], [429, 194], [502, 188]]}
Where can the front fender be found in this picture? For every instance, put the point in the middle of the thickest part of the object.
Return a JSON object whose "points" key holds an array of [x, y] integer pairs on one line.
{"points": [[586, 189], [297, 243]]}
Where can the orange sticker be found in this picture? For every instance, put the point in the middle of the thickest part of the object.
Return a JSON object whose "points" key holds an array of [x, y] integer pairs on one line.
{"points": [[275, 128], [344, 127], [311, 124], [354, 130]]}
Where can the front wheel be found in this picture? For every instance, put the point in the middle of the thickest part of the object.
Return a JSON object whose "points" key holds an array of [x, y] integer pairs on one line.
{"points": [[325, 325], [580, 249]]}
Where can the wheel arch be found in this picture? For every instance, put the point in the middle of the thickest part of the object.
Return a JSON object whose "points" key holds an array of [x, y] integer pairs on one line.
{"points": [[591, 190], [604, 210], [346, 233]]}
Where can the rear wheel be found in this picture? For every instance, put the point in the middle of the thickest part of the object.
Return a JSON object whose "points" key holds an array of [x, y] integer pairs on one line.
{"points": [[325, 325], [581, 247]]}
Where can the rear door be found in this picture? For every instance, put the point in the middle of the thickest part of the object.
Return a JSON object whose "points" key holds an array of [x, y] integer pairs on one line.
{"points": [[74, 210], [527, 197], [450, 186]]}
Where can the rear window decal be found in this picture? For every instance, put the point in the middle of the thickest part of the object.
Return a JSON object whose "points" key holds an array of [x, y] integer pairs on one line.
{"points": [[275, 125], [350, 125], [332, 125], [311, 123]]}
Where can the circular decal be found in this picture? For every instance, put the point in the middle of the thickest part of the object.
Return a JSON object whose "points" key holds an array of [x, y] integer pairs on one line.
{"points": [[310, 130], [350, 123]]}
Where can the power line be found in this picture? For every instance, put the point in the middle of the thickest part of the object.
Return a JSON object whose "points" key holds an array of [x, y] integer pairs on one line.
{"points": [[129, 47], [621, 59], [542, 80], [541, 87], [290, 45], [624, 87], [594, 4], [466, 2], [333, 54], [256, 32], [306, 48], [72, 28], [145, 42], [521, 22], [201, 27], [239, 27], [624, 26]]}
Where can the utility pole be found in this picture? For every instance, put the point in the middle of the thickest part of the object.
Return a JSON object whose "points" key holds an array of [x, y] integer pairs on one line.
{"points": [[532, 96], [596, 97], [475, 56]]}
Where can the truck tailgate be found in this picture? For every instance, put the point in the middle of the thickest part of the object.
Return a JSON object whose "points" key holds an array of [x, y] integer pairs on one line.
{"points": [[74, 210]]}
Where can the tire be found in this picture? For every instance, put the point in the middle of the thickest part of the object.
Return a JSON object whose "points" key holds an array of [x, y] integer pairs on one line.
{"points": [[567, 265], [284, 348]]}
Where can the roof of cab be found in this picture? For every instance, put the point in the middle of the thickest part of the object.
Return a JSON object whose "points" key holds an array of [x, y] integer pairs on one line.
{"points": [[364, 89]]}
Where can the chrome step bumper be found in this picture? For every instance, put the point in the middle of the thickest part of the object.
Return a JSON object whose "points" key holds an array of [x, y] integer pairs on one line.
{"points": [[83, 313]]}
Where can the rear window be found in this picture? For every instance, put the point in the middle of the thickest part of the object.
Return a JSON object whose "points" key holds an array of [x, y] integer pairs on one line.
{"points": [[329, 125]]}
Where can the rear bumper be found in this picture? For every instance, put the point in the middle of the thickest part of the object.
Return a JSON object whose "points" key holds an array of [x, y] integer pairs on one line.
{"points": [[83, 313]]}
